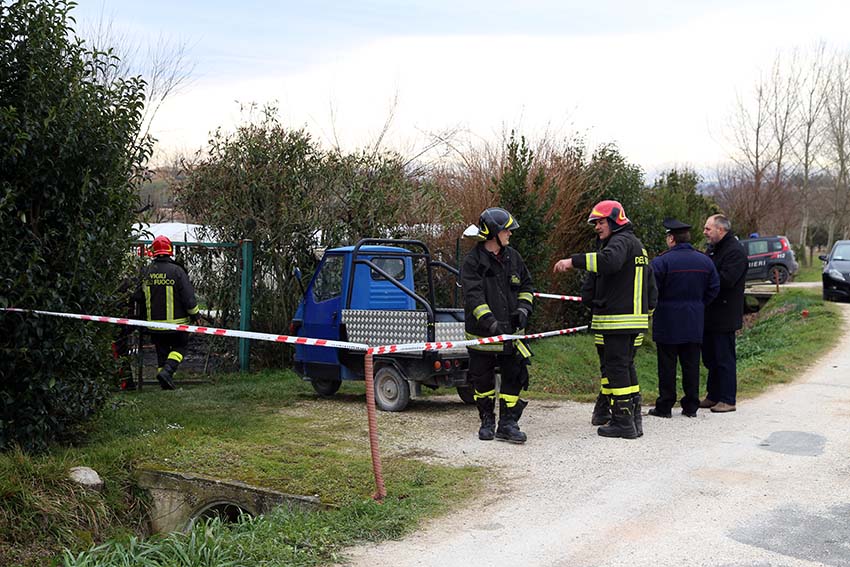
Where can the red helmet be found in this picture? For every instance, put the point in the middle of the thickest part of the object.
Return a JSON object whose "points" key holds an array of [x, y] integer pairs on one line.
{"points": [[162, 246], [612, 210]]}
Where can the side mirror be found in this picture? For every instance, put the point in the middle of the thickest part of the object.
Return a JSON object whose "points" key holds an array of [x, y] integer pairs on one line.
{"points": [[824, 257]]}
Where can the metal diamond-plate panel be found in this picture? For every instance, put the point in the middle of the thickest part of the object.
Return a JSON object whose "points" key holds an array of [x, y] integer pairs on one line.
{"points": [[375, 327]]}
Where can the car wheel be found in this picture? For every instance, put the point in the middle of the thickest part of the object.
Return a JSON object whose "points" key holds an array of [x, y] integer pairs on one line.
{"points": [[780, 273], [325, 387], [467, 394], [392, 393]]}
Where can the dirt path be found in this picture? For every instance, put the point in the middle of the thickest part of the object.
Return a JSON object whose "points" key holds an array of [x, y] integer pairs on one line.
{"points": [[767, 485]]}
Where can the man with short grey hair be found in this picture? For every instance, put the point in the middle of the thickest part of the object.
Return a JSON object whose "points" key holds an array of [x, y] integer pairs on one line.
{"points": [[723, 316]]}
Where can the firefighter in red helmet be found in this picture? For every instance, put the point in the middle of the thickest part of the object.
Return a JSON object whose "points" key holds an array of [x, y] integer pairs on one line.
{"points": [[166, 295], [498, 299], [622, 297]]}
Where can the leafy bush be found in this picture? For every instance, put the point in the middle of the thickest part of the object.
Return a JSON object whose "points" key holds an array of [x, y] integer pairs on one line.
{"points": [[68, 163]]}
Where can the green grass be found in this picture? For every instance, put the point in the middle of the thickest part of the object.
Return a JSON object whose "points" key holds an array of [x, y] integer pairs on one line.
{"points": [[243, 427], [811, 273], [255, 428]]}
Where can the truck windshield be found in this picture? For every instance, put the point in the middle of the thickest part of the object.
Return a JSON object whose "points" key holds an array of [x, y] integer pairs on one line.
{"points": [[328, 282]]}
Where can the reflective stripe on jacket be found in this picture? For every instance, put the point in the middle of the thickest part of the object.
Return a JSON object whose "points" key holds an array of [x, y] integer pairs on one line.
{"points": [[166, 292], [624, 290]]}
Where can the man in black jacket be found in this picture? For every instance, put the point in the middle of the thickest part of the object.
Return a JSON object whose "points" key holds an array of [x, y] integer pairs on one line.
{"points": [[166, 295], [724, 315], [623, 295], [497, 297]]}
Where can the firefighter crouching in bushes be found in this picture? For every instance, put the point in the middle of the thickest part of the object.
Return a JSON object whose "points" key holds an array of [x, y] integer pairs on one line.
{"points": [[497, 298], [623, 295], [166, 295]]}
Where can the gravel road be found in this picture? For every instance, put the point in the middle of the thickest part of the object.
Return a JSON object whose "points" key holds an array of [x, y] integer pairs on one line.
{"points": [[766, 485]]}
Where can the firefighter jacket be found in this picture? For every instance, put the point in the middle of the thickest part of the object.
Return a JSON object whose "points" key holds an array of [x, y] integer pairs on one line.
{"points": [[624, 290], [165, 292], [494, 288]]}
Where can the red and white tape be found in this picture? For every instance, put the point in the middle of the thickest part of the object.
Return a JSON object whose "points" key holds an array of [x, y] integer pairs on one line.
{"points": [[483, 341], [561, 297], [200, 330]]}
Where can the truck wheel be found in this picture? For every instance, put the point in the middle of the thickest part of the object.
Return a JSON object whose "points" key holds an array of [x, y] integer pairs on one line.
{"points": [[779, 272], [325, 387], [392, 393], [467, 394]]}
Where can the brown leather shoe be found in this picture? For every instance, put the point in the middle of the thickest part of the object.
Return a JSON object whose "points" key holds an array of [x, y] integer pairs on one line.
{"points": [[706, 403], [722, 407]]}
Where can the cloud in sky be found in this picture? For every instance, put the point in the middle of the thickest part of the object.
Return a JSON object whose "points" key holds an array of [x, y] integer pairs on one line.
{"points": [[657, 79]]}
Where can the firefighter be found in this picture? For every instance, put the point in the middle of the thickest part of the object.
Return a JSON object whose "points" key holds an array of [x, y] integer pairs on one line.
{"points": [[498, 299], [623, 294], [602, 408], [166, 295]]}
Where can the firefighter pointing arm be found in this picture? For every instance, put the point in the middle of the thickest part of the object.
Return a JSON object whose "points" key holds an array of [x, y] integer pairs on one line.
{"points": [[623, 290], [498, 299]]}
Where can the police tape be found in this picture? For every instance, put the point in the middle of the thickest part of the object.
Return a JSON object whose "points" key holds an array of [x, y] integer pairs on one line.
{"points": [[305, 341], [471, 342], [200, 330], [561, 297]]}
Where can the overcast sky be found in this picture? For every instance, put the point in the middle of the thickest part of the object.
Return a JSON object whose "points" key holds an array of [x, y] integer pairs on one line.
{"points": [[658, 77]]}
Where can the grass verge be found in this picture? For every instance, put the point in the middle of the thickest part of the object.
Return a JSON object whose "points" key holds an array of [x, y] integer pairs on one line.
{"points": [[258, 429]]}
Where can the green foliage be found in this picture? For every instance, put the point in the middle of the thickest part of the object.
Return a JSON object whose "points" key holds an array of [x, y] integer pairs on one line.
{"points": [[279, 188], [675, 194], [521, 189], [68, 164]]}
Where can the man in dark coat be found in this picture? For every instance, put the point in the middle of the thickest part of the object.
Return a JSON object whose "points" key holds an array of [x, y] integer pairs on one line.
{"points": [[723, 316], [687, 281]]}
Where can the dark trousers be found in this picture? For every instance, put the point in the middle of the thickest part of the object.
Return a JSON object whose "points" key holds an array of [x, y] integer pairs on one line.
{"points": [[482, 372], [668, 355], [718, 356], [618, 364], [167, 342]]}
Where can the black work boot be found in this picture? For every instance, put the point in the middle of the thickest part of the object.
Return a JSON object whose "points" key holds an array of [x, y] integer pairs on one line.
{"points": [[622, 420], [486, 411], [601, 410], [508, 429], [636, 400], [166, 374]]}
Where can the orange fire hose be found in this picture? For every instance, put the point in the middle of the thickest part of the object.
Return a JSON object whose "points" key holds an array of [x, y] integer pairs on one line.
{"points": [[373, 429]]}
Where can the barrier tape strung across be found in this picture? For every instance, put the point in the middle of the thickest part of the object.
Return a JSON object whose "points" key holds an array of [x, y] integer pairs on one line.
{"points": [[386, 349], [200, 330], [561, 297]]}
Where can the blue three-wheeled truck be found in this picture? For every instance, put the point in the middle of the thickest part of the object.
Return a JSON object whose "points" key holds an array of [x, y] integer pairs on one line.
{"points": [[380, 292]]}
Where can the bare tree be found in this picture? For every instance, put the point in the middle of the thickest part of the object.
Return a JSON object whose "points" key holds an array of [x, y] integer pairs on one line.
{"points": [[809, 139], [838, 142]]}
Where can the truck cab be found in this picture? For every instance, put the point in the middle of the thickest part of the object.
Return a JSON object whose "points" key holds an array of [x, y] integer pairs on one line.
{"points": [[368, 294]]}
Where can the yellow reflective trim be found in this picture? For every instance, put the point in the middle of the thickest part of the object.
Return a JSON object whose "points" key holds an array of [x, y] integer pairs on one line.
{"points": [[510, 400], [526, 296], [193, 310], [605, 391], [590, 260], [147, 299], [638, 307], [604, 380], [510, 221], [479, 395], [481, 310], [523, 350], [628, 390], [174, 355], [169, 302], [598, 339], [639, 339]]}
